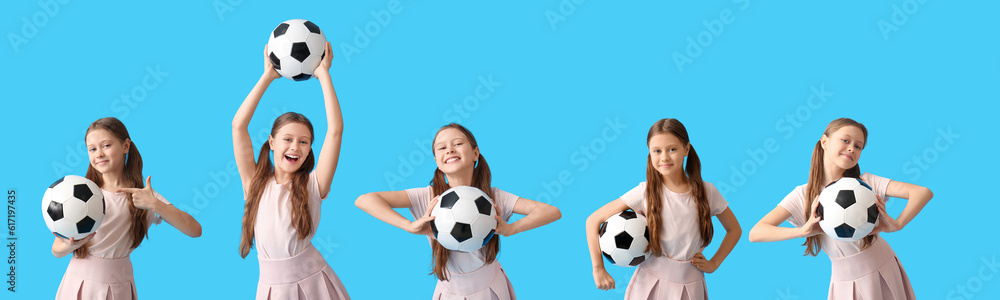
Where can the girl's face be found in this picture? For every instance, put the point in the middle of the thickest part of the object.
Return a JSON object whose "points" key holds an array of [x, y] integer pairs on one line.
{"points": [[666, 153], [843, 147], [453, 152], [106, 151], [291, 145]]}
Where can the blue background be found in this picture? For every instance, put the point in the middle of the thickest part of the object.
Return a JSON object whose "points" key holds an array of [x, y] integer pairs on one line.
{"points": [[562, 72]]}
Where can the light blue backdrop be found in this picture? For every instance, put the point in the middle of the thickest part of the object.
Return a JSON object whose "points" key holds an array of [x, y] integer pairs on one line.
{"points": [[560, 95]]}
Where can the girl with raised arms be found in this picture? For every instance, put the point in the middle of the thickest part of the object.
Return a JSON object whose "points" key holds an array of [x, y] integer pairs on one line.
{"points": [[475, 275], [101, 267], [678, 207], [865, 269], [283, 194]]}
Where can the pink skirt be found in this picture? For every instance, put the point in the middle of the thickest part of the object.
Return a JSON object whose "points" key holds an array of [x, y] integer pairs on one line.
{"points": [[97, 278], [873, 273], [489, 282], [660, 277], [303, 276]]}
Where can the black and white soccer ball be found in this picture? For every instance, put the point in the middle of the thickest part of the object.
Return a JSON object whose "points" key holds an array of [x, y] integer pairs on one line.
{"points": [[73, 207], [624, 238], [847, 209], [464, 219], [296, 48]]}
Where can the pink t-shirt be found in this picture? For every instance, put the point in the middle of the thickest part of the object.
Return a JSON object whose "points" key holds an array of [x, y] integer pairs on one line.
{"points": [[274, 235], [795, 204], [113, 238], [680, 237], [461, 262]]}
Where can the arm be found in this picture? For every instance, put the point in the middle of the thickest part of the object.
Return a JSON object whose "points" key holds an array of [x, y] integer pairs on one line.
{"points": [[535, 214], [62, 247], [242, 145], [767, 229], [602, 279], [917, 197], [330, 154], [380, 205], [733, 233], [145, 199]]}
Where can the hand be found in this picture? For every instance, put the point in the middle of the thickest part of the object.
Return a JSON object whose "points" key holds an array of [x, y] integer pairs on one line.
{"points": [[143, 198], [503, 229], [269, 72], [323, 69], [422, 225], [73, 243], [811, 227], [885, 222], [703, 264], [603, 280]]}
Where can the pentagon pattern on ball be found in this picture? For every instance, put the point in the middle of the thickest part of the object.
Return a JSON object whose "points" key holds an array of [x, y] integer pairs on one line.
{"points": [[847, 209], [296, 47], [464, 219], [73, 207], [623, 238]]}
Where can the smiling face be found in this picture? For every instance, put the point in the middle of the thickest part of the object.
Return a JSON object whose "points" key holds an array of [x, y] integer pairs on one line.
{"points": [[842, 148], [666, 153], [106, 151], [453, 151], [291, 145]]}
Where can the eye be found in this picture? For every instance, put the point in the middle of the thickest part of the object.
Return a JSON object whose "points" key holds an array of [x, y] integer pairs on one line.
{"points": [[858, 147], [844, 140], [288, 139], [92, 149], [673, 149], [441, 148]]}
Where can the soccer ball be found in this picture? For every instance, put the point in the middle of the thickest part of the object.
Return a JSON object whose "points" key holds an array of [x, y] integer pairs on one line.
{"points": [[296, 48], [464, 219], [847, 209], [73, 207], [623, 239]]}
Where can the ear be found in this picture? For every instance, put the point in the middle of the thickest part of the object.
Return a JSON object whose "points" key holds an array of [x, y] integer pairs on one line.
{"points": [[687, 149], [270, 142], [127, 144], [822, 141], [476, 153]]}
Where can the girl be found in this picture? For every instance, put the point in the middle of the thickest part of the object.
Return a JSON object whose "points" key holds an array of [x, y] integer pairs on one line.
{"points": [[476, 275], [678, 207], [101, 267], [283, 194], [866, 269]]}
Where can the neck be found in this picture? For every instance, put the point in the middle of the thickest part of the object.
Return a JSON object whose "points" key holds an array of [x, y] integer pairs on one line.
{"points": [[676, 182], [459, 178], [282, 177], [831, 173], [112, 181]]}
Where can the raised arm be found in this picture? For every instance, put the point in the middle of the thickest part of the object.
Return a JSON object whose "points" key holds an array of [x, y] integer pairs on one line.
{"points": [[917, 197], [242, 145], [380, 205], [535, 214], [602, 279], [767, 229], [327, 162]]}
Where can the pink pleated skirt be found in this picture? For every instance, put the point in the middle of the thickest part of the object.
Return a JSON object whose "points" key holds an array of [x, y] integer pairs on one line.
{"points": [[303, 276], [873, 273], [489, 282], [660, 277], [97, 278]]}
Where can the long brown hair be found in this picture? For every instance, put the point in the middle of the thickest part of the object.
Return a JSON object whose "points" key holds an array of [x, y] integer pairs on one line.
{"points": [[301, 219], [654, 187], [131, 177], [815, 184], [481, 180]]}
